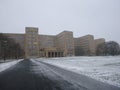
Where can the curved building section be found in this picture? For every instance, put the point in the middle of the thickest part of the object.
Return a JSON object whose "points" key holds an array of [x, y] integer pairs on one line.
{"points": [[60, 45]]}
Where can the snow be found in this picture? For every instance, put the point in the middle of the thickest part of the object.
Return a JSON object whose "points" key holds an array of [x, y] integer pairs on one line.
{"points": [[4, 66], [105, 69]]}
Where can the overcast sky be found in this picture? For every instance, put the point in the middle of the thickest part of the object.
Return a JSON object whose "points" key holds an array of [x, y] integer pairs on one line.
{"points": [[100, 18]]}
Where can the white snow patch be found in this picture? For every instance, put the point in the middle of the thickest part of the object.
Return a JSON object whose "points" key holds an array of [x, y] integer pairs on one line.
{"points": [[4, 66], [105, 69]]}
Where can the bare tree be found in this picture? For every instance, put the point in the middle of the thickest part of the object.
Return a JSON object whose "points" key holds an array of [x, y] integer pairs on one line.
{"points": [[108, 48], [112, 48], [9, 48]]}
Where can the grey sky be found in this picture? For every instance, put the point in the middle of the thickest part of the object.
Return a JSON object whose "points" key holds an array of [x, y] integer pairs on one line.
{"points": [[100, 18]]}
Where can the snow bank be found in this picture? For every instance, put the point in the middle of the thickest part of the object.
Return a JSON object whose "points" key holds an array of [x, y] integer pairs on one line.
{"points": [[4, 66], [105, 69]]}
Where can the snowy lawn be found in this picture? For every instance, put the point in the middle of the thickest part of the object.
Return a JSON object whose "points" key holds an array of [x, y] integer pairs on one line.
{"points": [[6, 65], [105, 69]]}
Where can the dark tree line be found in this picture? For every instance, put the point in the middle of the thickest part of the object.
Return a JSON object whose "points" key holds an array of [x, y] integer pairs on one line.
{"points": [[104, 49], [108, 48], [9, 49]]}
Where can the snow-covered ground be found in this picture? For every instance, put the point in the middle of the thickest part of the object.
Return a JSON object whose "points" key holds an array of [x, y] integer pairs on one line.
{"points": [[4, 66], [105, 69]]}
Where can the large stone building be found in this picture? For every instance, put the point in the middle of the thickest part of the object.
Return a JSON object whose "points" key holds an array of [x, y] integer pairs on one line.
{"points": [[63, 44], [86, 43]]}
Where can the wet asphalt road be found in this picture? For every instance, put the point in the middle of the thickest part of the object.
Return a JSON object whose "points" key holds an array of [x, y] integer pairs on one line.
{"points": [[33, 75]]}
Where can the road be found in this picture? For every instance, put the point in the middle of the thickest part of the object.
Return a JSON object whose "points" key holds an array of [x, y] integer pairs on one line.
{"points": [[36, 75]]}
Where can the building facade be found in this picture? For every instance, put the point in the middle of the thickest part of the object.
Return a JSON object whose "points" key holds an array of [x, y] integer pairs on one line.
{"points": [[60, 45], [88, 44], [31, 43], [98, 42]]}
